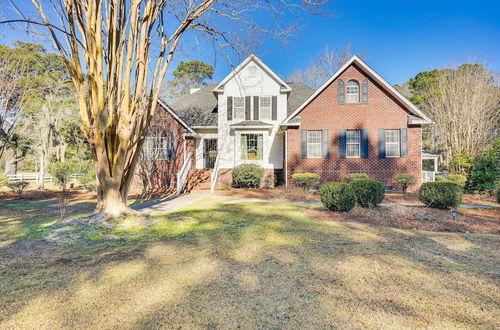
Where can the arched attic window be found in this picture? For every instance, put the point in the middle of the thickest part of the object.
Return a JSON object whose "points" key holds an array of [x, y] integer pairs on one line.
{"points": [[352, 92]]}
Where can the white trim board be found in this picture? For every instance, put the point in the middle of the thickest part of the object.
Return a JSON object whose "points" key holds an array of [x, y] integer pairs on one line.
{"points": [[220, 87], [374, 75]]}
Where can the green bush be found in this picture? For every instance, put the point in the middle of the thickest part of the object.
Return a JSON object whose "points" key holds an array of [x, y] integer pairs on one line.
{"points": [[88, 178], [440, 178], [247, 176], [355, 176], [338, 196], [498, 195], [305, 180], [61, 172], [485, 173], [18, 186], [4, 181], [369, 193], [404, 181], [440, 195], [457, 178]]}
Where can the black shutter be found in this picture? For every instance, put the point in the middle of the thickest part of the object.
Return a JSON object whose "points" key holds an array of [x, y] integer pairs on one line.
{"points": [[324, 144], [274, 108], [364, 143], [341, 92], [255, 108], [229, 108], [171, 146], [364, 91], [247, 108], [404, 142], [342, 143], [381, 143], [303, 143]]}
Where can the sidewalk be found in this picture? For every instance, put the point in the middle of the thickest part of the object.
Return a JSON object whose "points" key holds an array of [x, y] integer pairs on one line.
{"points": [[169, 204]]}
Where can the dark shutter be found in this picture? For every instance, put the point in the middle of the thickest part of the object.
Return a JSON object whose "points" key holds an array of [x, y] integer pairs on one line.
{"points": [[364, 91], [303, 143], [229, 108], [341, 92], [247, 108], [274, 108], [364, 143], [255, 108], [381, 143], [171, 147], [324, 144], [342, 143], [404, 142]]}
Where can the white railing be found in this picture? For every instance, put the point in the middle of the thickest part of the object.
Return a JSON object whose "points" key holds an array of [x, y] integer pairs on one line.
{"points": [[34, 177], [215, 175], [183, 173], [428, 176]]}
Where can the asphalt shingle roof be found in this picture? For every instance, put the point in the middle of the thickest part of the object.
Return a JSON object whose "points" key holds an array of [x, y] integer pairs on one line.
{"points": [[200, 108]]}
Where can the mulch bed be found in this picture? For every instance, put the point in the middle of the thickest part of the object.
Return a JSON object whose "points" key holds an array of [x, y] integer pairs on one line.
{"points": [[48, 194]]}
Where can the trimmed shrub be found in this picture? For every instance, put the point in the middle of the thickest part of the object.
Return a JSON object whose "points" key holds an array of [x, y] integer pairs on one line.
{"points": [[369, 193], [305, 180], [355, 176], [457, 178], [404, 181], [338, 196], [18, 186], [247, 176], [440, 195]]}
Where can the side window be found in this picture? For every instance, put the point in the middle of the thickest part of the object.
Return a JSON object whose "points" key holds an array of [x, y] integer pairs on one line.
{"points": [[252, 146], [265, 107], [314, 144], [352, 92], [155, 147], [353, 144], [239, 107], [392, 143]]}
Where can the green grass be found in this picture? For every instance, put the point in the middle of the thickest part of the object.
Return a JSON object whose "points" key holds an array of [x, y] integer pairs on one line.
{"points": [[227, 263]]}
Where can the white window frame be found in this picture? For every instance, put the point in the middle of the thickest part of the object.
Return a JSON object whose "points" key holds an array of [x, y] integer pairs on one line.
{"points": [[316, 143], [347, 143], [158, 150], [398, 143], [350, 95], [256, 147], [236, 109], [269, 107]]}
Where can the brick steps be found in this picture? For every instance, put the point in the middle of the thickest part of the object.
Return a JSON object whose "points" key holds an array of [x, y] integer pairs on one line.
{"points": [[198, 179]]}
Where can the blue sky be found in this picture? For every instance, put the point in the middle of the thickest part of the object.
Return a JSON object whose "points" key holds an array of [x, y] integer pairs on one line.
{"points": [[401, 38]]}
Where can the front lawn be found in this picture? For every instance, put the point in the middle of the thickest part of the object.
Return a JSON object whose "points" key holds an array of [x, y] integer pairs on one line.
{"points": [[228, 263]]}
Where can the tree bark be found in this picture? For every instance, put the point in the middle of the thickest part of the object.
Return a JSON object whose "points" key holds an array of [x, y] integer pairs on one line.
{"points": [[41, 173], [11, 162]]}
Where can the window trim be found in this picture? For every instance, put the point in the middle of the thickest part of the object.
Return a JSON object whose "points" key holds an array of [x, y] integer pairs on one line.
{"points": [[163, 149], [398, 143], [315, 143], [347, 94], [358, 143], [270, 108], [257, 146], [243, 108]]}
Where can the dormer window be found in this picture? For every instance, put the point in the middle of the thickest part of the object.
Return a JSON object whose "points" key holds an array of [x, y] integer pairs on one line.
{"points": [[352, 92]]}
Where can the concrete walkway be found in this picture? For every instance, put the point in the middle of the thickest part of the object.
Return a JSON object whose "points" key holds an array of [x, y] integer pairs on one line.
{"points": [[169, 204]]}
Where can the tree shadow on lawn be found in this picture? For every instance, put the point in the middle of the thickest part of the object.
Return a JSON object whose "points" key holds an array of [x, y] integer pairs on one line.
{"points": [[257, 266]]}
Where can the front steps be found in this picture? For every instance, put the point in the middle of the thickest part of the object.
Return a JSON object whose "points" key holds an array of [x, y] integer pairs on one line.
{"points": [[198, 179]]}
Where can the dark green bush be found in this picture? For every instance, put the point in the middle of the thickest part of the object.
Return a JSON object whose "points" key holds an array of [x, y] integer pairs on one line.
{"points": [[88, 177], [355, 176], [18, 186], [337, 196], [440, 195], [485, 173], [498, 195], [305, 180], [369, 193], [247, 176], [404, 181], [61, 172], [457, 178]]}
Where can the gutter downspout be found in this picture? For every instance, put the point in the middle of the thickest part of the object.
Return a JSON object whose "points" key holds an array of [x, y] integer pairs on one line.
{"points": [[286, 158]]}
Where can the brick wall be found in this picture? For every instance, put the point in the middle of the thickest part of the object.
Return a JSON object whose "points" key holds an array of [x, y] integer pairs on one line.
{"points": [[382, 111]]}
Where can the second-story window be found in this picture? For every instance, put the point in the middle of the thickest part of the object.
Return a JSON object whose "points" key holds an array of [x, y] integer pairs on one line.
{"points": [[352, 92], [239, 107], [265, 107]]}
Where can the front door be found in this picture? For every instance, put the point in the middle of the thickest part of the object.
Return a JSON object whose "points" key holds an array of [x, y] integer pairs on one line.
{"points": [[209, 152]]}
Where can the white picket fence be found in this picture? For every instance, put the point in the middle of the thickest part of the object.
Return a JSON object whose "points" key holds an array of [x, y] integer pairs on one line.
{"points": [[34, 177]]}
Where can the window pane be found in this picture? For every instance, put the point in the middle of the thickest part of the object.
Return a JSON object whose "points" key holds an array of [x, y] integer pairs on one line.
{"points": [[239, 107], [238, 102], [352, 92], [265, 107], [392, 148], [314, 144], [353, 136], [252, 146]]}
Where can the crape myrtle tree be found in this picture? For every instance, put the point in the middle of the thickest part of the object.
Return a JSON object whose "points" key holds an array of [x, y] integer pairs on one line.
{"points": [[117, 53]]}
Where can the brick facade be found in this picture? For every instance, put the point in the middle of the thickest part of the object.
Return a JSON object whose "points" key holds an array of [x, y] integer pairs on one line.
{"points": [[382, 111]]}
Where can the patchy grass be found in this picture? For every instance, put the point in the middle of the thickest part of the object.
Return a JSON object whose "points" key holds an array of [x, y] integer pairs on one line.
{"points": [[226, 263]]}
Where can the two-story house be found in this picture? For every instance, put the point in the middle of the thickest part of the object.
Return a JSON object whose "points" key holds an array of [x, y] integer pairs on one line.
{"points": [[354, 123]]}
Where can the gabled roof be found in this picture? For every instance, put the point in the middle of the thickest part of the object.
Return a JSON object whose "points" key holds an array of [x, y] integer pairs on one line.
{"points": [[375, 76], [219, 88], [172, 112]]}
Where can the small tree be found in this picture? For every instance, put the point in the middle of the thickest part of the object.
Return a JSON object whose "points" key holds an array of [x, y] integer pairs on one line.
{"points": [[404, 181], [61, 173], [18, 186]]}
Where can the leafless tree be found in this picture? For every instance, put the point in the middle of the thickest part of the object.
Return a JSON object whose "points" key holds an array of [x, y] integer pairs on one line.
{"points": [[118, 52], [323, 66], [465, 106]]}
